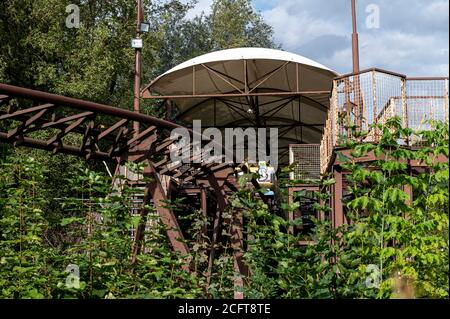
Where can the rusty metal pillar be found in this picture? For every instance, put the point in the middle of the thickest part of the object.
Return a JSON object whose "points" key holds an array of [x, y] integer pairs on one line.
{"points": [[215, 238], [221, 205], [236, 237], [355, 61], [238, 245], [155, 190], [138, 66], [204, 209], [355, 40], [137, 245], [338, 209], [290, 212]]}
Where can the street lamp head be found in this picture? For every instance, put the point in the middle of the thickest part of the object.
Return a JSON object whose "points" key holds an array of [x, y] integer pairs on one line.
{"points": [[144, 27]]}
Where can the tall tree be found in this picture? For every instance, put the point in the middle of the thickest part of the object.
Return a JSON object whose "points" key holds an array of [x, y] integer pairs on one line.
{"points": [[231, 24], [235, 23]]}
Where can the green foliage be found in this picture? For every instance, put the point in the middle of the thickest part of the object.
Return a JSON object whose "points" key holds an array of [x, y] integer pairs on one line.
{"points": [[24, 268], [393, 246], [96, 239], [405, 241]]}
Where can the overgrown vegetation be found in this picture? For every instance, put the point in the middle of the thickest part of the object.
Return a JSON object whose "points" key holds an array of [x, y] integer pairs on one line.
{"points": [[57, 213], [393, 246]]}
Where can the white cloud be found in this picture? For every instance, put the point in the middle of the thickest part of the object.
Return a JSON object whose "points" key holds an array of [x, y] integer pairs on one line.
{"points": [[201, 6], [412, 39]]}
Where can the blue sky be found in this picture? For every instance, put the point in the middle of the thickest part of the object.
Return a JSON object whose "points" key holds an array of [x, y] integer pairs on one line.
{"points": [[412, 38]]}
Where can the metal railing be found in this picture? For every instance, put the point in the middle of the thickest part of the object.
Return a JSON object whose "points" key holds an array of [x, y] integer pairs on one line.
{"points": [[305, 161], [374, 96]]}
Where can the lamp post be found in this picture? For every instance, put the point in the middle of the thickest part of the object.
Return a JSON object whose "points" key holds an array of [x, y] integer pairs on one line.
{"points": [[355, 41], [356, 79], [137, 44]]}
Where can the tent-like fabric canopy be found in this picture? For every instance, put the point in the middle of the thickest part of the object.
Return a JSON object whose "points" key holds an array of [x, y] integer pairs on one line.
{"points": [[250, 87]]}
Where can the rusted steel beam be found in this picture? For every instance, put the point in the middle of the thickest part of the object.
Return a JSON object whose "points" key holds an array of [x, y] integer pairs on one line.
{"points": [[165, 160], [170, 169], [341, 77], [215, 238], [155, 191], [220, 167], [428, 78], [87, 135], [139, 235], [66, 149], [306, 187], [221, 204], [58, 124], [84, 105], [290, 213], [167, 216], [67, 119], [164, 145], [20, 129], [237, 238], [111, 129], [238, 245], [355, 41], [26, 111], [123, 131], [338, 211], [66, 131], [204, 209], [141, 135]]}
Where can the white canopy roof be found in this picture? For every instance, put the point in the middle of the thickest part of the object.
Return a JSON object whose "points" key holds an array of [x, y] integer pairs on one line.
{"points": [[251, 87], [247, 54]]}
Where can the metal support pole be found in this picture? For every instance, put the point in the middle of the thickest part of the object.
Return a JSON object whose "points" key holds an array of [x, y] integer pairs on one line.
{"points": [[137, 67], [139, 235], [169, 109], [290, 213], [405, 119], [155, 191], [204, 209], [355, 58], [338, 210], [238, 245], [355, 40], [221, 205]]}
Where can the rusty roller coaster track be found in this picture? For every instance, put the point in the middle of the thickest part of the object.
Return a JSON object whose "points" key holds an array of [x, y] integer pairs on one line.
{"points": [[96, 131]]}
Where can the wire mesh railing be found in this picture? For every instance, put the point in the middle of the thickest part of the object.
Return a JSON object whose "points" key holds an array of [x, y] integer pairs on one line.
{"points": [[359, 101], [305, 161]]}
